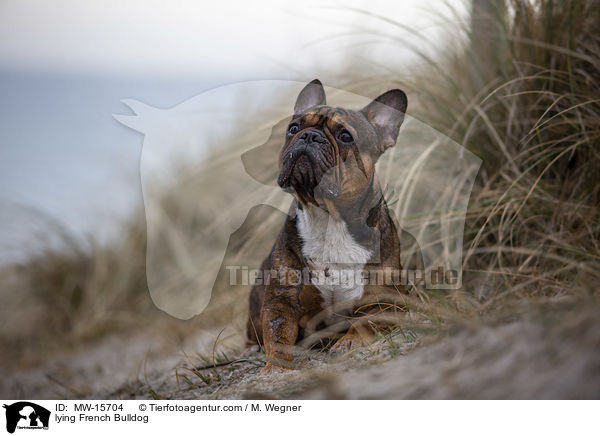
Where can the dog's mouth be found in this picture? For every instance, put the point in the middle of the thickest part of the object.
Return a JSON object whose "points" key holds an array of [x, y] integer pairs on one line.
{"points": [[310, 172]]}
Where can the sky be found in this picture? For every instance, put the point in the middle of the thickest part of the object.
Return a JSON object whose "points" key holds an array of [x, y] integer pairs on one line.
{"points": [[66, 64], [189, 37]]}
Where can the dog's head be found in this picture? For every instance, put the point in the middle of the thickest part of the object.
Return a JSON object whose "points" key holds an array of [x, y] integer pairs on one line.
{"points": [[329, 153]]}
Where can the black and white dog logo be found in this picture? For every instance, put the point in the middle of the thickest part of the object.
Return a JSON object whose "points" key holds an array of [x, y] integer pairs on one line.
{"points": [[26, 415]]}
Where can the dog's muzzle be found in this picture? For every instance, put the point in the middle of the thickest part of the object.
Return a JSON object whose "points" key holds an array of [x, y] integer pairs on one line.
{"points": [[307, 165]]}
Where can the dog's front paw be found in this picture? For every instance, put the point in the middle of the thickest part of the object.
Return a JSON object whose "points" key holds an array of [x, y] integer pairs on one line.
{"points": [[274, 368], [267, 369], [346, 343]]}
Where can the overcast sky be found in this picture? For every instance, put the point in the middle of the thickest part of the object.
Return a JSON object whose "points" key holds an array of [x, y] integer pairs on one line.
{"points": [[188, 37], [66, 64]]}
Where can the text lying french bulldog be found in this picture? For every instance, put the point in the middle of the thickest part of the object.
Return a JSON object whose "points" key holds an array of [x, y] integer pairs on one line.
{"points": [[338, 221]]}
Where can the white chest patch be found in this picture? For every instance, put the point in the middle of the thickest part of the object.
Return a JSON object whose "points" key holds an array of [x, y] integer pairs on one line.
{"points": [[334, 256]]}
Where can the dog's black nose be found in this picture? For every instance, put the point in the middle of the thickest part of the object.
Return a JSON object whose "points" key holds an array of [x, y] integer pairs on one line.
{"points": [[313, 136]]}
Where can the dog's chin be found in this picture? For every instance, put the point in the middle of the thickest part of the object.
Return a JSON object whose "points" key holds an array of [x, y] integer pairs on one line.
{"points": [[300, 177], [308, 181]]}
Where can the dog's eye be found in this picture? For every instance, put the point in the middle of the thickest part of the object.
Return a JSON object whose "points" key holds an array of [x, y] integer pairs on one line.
{"points": [[293, 129], [345, 136]]}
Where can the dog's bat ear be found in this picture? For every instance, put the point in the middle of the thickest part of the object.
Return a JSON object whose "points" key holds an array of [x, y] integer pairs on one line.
{"points": [[313, 94], [386, 114]]}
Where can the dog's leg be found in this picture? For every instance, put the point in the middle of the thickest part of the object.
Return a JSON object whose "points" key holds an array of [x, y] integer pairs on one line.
{"points": [[280, 317], [376, 313]]}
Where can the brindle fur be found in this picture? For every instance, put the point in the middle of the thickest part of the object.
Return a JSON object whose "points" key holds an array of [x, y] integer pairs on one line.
{"points": [[281, 314]]}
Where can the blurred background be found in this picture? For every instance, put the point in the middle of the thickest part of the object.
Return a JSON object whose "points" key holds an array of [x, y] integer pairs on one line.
{"points": [[66, 65], [516, 82]]}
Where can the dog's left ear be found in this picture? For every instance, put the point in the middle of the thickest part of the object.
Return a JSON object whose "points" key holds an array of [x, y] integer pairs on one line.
{"points": [[386, 113]]}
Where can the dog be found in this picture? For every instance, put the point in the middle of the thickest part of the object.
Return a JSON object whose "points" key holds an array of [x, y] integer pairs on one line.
{"points": [[338, 219]]}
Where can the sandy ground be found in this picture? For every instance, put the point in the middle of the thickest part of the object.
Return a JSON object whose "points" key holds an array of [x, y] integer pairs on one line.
{"points": [[539, 356]]}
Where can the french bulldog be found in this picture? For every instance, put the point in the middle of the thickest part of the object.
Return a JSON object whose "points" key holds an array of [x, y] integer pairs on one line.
{"points": [[338, 222]]}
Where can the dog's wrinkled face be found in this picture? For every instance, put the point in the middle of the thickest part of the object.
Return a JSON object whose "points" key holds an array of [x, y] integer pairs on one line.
{"points": [[330, 153]]}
